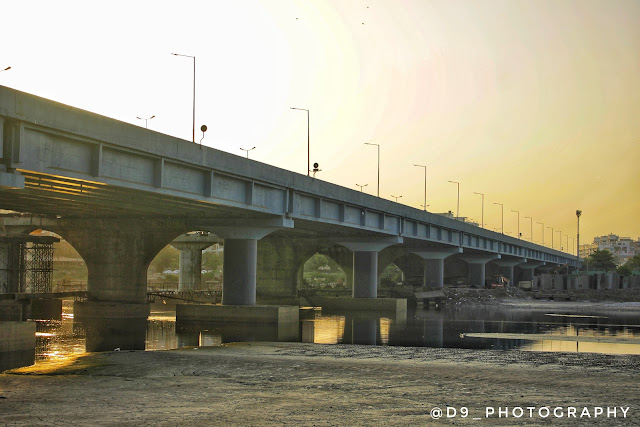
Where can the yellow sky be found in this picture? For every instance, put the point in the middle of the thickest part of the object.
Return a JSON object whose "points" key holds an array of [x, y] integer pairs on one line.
{"points": [[535, 103]]}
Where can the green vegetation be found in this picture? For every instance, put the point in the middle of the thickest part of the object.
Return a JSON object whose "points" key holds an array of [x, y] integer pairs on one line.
{"points": [[321, 272], [167, 259], [633, 263], [600, 260]]}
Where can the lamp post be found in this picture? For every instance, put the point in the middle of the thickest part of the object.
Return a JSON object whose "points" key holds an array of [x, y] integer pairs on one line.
{"points": [[531, 232], [145, 120], [551, 236], [542, 224], [572, 242], [482, 207], [194, 91], [458, 204], [247, 150], [377, 145], [362, 186], [425, 184], [308, 145], [396, 197], [501, 215], [578, 213], [560, 231], [518, 212]]}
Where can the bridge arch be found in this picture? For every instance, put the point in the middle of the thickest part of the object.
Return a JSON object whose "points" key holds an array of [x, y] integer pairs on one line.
{"points": [[322, 272]]}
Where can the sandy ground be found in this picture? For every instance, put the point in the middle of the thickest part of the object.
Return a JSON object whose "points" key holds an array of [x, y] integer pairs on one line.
{"points": [[307, 384]]}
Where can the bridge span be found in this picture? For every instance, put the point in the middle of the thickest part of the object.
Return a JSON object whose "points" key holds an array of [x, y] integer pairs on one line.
{"points": [[119, 193]]}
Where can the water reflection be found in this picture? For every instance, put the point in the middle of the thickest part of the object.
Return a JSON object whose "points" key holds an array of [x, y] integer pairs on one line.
{"points": [[422, 328]]}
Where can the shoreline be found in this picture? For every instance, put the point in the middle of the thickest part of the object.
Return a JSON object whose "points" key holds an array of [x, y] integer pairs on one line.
{"points": [[313, 384]]}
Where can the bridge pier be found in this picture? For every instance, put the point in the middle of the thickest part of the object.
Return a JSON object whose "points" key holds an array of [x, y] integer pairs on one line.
{"points": [[191, 247], [477, 265], [528, 270], [506, 267], [239, 271], [434, 264], [117, 253], [241, 256], [365, 264]]}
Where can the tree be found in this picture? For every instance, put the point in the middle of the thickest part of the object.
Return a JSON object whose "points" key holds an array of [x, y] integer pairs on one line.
{"points": [[633, 263], [601, 260], [623, 270], [167, 259]]}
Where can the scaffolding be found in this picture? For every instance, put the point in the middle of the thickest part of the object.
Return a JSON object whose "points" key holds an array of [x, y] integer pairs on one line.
{"points": [[26, 263]]}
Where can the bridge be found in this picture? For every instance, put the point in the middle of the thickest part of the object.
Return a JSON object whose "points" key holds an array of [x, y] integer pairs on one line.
{"points": [[119, 193]]}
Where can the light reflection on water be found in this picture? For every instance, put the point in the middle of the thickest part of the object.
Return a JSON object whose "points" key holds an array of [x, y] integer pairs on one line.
{"points": [[422, 328]]}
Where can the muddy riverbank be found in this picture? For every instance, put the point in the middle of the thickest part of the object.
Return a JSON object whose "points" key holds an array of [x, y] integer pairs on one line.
{"points": [[307, 384]]}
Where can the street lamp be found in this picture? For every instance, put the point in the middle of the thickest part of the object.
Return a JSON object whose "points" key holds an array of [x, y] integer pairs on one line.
{"points": [[501, 215], [572, 242], [518, 212], [458, 205], [396, 197], [542, 224], [531, 235], [194, 91], [377, 145], [560, 231], [578, 213], [362, 186], [425, 184], [551, 236], [481, 194], [247, 150], [145, 120], [308, 146]]}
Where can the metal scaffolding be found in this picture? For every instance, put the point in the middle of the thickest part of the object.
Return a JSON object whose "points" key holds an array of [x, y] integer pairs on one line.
{"points": [[26, 263]]}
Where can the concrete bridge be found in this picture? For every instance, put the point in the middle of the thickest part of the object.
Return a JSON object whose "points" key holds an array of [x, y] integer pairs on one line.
{"points": [[119, 193]]}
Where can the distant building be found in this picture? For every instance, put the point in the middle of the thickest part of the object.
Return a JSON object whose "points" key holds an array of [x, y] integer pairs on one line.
{"points": [[622, 248]]}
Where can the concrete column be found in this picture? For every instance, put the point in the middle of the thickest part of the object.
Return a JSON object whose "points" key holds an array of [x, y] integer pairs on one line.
{"points": [[365, 263], [191, 247], [365, 274], [190, 277], [280, 267], [239, 271], [434, 264], [434, 272], [476, 274], [117, 253], [506, 267], [477, 268], [528, 270], [241, 255]]}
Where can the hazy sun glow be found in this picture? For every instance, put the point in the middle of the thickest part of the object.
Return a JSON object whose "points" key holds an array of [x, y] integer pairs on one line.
{"points": [[534, 103]]}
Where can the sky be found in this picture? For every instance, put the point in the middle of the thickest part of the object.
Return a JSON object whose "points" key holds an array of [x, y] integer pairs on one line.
{"points": [[533, 103]]}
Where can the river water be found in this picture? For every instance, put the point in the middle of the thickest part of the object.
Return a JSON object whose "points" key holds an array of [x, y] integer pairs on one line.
{"points": [[447, 327]]}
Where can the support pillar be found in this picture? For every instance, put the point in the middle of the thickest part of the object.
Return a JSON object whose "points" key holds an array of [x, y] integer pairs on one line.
{"points": [[477, 268], [191, 247], [434, 264], [117, 253], [241, 255], [239, 271], [528, 270], [506, 267], [365, 263], [365, 274]]}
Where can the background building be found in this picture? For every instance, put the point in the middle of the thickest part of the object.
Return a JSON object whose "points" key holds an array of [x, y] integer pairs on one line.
{"points": [[622, 248]]}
